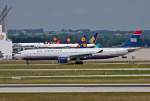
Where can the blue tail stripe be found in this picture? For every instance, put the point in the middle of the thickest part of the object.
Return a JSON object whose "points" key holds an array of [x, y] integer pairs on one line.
{"points": [[133, 41]]}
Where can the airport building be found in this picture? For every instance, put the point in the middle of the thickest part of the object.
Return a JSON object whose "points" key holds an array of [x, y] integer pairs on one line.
{"points": [[5, 46]]}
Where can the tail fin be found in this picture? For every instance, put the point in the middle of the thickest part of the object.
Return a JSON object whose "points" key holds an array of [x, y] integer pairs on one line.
{"points": [[93, 39], [83, 42], [134, 40], [138, 32]]}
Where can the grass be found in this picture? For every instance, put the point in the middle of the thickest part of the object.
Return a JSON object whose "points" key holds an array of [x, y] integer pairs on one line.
{"points": [[69, 80], [72, 72], [70, 66], [96, 80], [24, 62], [75, 97]]}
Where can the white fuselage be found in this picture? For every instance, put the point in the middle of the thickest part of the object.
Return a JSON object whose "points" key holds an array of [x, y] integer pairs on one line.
{"points": [[49, 45], [55, 53]]}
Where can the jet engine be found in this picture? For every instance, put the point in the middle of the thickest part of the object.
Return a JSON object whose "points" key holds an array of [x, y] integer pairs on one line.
{"points": [[63, 60]]}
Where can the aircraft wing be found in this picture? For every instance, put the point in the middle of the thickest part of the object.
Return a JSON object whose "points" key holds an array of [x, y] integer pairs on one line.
{"points": [[78, 54], [75, 55]]}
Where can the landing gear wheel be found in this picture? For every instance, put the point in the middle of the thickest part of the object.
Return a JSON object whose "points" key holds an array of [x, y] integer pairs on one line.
{"points": [[78, 62]]}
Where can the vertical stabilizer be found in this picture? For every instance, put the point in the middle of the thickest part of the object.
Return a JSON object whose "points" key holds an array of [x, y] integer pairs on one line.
{"points": [[134, 40]]}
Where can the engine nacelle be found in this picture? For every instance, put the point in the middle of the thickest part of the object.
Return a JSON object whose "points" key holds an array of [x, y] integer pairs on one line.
{"points": [[63, 60]]}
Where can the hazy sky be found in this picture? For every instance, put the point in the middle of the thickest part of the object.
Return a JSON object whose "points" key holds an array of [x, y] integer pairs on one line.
{"points": [[75, 14]]}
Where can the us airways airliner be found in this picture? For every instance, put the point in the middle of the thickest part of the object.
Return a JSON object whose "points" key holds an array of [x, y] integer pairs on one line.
{"points": [[66, 55]]}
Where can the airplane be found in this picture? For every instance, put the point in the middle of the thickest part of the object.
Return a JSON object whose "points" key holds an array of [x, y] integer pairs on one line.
{"points": [[49, 45], [79, 54], [89, 44]]}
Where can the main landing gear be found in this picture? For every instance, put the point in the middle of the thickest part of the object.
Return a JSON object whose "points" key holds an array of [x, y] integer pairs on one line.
{"points": [[78, 61]]}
